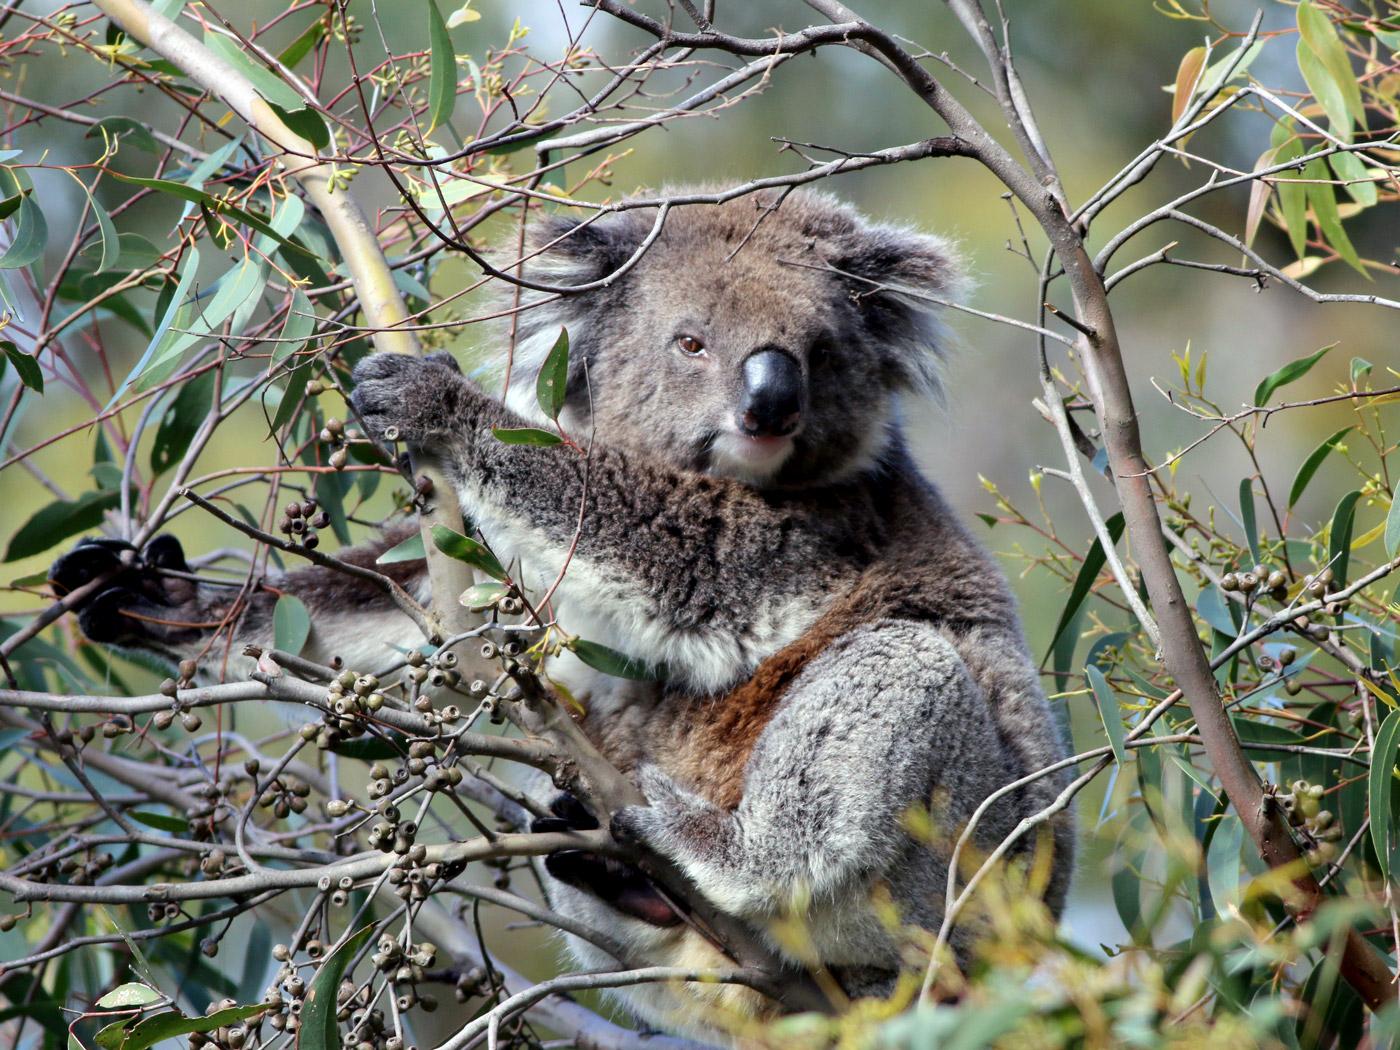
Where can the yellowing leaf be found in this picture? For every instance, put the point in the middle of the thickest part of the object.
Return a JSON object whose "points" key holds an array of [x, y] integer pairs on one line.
{"points": [[1188, 74]]}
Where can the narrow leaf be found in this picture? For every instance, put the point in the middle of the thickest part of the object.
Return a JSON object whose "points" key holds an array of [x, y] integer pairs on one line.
{"points": [[526, 436], [1310, 465], [1188, 74], [59, 520], [161, 821], [410, 549], [1088, 573], [1323, 198], [1108, 712], [442, 83], [610, 661], [157, 1029], [553, 381], [1293, 198], [1251, 527], [1380, 780], [466, 549], [182, 420], [1339, 547], [318, 1029], [1289, 373], [1392, 529], [1321, 38]]}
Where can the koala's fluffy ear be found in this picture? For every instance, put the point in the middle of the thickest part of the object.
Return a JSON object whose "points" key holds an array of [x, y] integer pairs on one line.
{"points": [[895, 276], [572, 252]]}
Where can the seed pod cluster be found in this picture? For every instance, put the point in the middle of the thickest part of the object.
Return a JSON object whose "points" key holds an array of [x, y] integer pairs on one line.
{"points": [[300, 520], [285, 795], [1303, 805]]}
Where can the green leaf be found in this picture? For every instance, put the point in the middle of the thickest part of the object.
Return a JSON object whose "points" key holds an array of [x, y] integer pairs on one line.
{"points": [[1392, 529], [291, 624], [371, 748], [1379, 783], [410, 549], [1293, 197], [59, 520], [172, 310], [117, 127], [318, 1029], [552, 384], [1320, 36], [9, 204], [220, 207], [181, 421], [1088, 573], [307, 123], [1251, 526], [1339, 552], [466, 549], [610, 661], [1323, 198], [1223, 862], [108, 239], [1326, 90], [152, 1030], [31, 228], [302, 45], [1109, 712], [267, 83], [1356, 175], [291, 396], [129, 995], [483, 595], [1289, 373], [25, 366], [1310, 465], [442, 82], [161, 822], [300, 323], [526, 436]]}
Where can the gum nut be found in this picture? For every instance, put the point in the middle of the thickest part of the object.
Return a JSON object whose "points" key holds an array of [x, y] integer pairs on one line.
{"points": [[1277, 579], [339, 458], [1230, 582]]}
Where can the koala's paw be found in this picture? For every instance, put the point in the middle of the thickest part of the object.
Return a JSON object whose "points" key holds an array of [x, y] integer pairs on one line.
{"points": [[135, 603], [675, 822], [400, 397], [618, 884]]}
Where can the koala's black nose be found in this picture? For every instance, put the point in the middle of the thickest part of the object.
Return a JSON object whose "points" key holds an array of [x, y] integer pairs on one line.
{"points": [[772, 402]]}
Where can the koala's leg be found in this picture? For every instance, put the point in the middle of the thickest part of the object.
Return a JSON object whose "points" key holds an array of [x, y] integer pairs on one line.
{"points": [[667, 554], [154, 606], [885, 719]]}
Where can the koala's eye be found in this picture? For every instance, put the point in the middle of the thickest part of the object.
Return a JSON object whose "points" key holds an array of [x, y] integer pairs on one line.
{"points": [[690, 346]]}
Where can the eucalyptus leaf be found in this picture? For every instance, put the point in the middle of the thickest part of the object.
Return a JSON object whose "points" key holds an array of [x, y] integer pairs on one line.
{"points": [[610, 661], [291, 624], [551, 386], [25, 366], [1109, 712], [526, 436], [410, 549], [59, 520], [130, 994], [1380, 783], [468, 550], [1289, 373], [318, 1029], [442, 77], [1088, 572], [483, 595], [1339, 553], [1309, 466]]}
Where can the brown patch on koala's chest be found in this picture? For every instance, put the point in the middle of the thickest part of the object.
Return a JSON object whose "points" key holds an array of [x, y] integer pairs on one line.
{"points": [[711, 737]]}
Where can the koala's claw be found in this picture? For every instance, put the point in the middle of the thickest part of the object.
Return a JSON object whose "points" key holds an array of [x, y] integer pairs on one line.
{"points": [[618, 884], [134, 587]]}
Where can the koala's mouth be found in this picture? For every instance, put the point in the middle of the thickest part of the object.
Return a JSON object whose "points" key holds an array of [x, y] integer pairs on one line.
{"points": [[751, 459]]}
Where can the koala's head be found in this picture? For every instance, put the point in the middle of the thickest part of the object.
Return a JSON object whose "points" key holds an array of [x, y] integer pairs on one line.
{"points": [[760, 340]]}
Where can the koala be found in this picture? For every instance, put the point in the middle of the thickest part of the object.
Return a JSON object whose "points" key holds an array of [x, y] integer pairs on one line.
{"points": [[833, 650]]}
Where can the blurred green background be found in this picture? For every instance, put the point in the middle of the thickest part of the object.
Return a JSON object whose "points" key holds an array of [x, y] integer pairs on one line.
{"points": [[1095, 73]]}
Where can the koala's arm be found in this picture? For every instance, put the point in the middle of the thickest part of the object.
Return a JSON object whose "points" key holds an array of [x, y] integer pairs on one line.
{"points": [[887, 718], [671, 555], [153, 605]]}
